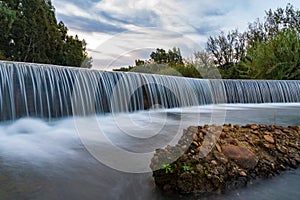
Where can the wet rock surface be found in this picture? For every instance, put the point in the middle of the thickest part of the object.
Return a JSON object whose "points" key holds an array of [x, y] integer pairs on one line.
{"points": [[214, 159]]}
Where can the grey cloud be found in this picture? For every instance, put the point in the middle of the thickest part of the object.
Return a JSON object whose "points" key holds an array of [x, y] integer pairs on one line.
{"points": [[89, 25], [205, 28], [143, 18], [215, 12]]}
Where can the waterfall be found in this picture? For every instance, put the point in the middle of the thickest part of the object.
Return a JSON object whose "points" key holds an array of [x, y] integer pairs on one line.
{"points": [[48, 91]]}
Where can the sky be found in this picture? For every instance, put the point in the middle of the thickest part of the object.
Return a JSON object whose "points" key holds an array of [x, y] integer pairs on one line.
{"points": [[118, 32]]}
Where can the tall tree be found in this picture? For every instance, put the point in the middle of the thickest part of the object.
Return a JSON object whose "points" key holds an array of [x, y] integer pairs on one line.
{"points": [[35, 36], [7, 18]]}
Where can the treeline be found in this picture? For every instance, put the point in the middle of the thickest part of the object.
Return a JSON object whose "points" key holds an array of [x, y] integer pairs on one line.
{"points": [[30, 33], [268, 49], [165, 63]]}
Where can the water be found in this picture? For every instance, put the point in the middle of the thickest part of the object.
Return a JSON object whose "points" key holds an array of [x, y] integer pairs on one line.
{"points": [[104, 151], [46, 91], [47, 160]]}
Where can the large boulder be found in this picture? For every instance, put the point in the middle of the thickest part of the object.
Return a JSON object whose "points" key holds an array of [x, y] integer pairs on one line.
{"points": [[241, 155]]}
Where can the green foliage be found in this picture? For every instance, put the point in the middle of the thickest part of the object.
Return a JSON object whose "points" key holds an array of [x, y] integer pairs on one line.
{"points": [[266, 50], [207, 170], [186, 168], [227, 49], [30, 33], [164, 63], [124, 69], [220, 179], [168, 71], [277, 58], [150, 68], [172, 57], [7, 16], [139, 62], [167, 168]]}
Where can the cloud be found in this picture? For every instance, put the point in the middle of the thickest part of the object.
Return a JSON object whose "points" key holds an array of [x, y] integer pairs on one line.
{"points": [[139, 18], [90, 25], [125, 47], [193, 19]]}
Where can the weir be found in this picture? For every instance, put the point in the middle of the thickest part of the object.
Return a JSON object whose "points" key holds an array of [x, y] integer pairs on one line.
{"points": [[47, 91]]}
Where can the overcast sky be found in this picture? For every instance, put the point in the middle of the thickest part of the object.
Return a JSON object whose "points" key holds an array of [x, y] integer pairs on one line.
{"points": [[119, 31]]}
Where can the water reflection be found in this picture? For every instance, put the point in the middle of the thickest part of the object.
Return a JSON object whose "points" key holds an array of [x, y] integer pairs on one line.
{"points": [[46, 160]]}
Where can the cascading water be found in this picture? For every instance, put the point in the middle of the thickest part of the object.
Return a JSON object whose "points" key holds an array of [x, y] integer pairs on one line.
{"points": [[48, 159], [53, 91]]}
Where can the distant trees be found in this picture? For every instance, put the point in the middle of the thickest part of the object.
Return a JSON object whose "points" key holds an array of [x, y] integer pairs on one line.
{"points": [[30, 33], [266, 49], [172, 57], [164, 62]]}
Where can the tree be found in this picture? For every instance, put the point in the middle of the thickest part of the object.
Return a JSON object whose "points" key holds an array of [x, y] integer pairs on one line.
{"points": [[278, 58], [7, 18], [203, 59], [139, 62], [172, 57], [33, 35], [252, 54], [227, 49], [165, 63], [159, 56], [274, 22]]}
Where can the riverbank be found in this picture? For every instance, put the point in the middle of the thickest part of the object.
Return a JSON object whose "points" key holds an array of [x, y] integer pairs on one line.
{"points": [[240, 155]]}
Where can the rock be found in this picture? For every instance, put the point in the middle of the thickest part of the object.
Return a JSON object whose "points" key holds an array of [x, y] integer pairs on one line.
{"points": [[293, 164], [185, 183], [193, 129], [223, 135], [214, 162], [241, 155], [254, 126], [268, 146], [278, 132], [205, 132], [285, 130], [237, 126], [218, 148], [195, 137], [255, 132], [167, 187], [195, 143], [242, 173], [197, 157], [297, 159], [220, 157], [199, 148], [231, 141], [184, 147], [247, 126], [269, 138], [281, 149]]}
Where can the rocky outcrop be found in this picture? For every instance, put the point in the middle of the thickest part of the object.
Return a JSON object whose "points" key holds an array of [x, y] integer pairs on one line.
{"points": [[240, 155]]}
